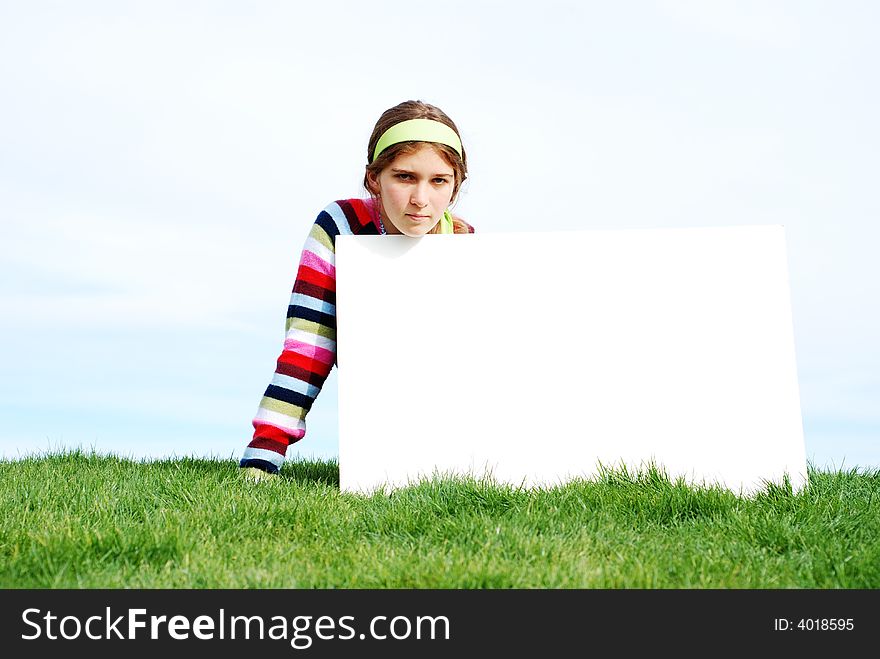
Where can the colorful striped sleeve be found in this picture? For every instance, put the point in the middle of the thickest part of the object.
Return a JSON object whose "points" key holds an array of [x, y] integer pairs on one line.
{"points": [[309, 351]]}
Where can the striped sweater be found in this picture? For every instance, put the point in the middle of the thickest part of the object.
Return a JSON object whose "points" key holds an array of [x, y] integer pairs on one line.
{"points": [[310, 335]]}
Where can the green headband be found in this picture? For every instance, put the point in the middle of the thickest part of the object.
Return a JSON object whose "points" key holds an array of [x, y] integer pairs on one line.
{"points": [[418, 130]]}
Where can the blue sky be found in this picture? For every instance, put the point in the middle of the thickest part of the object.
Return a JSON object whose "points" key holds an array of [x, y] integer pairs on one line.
{"points": [[162, 162]]}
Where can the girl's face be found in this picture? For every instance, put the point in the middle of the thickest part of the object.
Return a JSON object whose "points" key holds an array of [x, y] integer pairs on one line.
{"points": [[413, 191]]}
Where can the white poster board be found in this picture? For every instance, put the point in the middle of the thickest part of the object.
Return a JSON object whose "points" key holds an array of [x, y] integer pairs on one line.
{"points": [[534, 357]]}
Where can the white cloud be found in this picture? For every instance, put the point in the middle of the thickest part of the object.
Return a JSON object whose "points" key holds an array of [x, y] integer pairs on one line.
{"points": [[760, 22]]}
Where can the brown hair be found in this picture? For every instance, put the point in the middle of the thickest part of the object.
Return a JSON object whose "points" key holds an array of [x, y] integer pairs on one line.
{"points": [[416, 110]]}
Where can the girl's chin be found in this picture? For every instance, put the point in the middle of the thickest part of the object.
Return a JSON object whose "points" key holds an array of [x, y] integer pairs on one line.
{"points": [[415, 233], [415, 229]]}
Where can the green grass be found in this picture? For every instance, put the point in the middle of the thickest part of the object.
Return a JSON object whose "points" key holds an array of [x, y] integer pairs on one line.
{"points": [[76, 520]]}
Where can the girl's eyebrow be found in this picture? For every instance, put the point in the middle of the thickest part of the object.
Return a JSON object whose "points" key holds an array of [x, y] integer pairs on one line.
{"points": [[406, 171]]}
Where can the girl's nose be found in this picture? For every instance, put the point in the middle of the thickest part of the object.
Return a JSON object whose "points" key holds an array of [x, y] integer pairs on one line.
{"points": [[419, 196]]}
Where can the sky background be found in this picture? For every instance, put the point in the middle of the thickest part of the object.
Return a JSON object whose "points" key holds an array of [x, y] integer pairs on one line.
{"points": [[161, 164]]}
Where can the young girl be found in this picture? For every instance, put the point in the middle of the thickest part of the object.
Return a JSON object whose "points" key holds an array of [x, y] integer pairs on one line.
{"points": [[415, 167]]}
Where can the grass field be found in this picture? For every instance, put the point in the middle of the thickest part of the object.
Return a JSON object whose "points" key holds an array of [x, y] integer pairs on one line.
{"points": [[75, 520]]}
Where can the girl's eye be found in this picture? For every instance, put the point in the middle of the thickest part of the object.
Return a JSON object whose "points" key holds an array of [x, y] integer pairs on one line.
{"points": [[439, 180], [403, 177]]}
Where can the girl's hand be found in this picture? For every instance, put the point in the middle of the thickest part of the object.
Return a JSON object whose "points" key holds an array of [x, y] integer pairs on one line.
{"points": [[254, 475]]}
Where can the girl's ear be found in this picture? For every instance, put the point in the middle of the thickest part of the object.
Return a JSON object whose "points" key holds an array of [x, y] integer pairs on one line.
{"points": [[372, 182]]}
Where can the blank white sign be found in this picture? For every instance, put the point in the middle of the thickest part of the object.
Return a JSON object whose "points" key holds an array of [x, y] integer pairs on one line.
{"points": [[536, 357]]}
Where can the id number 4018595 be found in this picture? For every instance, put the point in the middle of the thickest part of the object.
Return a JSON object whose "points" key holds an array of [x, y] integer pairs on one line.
{"points": [[813, 624]]}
